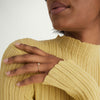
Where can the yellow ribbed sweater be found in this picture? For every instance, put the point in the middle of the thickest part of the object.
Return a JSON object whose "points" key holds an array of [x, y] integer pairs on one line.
{"points": [[75, 78]]}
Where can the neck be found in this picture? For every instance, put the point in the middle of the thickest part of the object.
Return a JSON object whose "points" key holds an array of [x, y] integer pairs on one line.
{"points": [[91, 34]]}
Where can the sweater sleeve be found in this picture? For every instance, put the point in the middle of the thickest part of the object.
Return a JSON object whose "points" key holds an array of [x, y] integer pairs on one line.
{"points": [[8, 88], [71, 78]]}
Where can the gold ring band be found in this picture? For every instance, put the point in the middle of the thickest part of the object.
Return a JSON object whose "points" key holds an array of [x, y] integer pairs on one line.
{"points": [[38, 66]]}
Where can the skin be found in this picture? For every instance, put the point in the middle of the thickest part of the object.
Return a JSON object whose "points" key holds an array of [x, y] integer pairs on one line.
{"points": [[81, 21], [34, 55]]}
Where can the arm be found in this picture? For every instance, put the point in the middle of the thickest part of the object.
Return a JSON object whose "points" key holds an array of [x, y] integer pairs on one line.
{"points": [[69, 77], [8, 88]]}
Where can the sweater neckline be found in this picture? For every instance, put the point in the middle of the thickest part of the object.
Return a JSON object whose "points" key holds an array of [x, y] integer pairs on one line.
{"points": [[76, 46], [68, 38]]}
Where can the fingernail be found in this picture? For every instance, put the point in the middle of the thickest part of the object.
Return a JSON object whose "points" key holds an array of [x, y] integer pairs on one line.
{"points": [[8, 73], [5, 60], [17, 44], [18, 84]]}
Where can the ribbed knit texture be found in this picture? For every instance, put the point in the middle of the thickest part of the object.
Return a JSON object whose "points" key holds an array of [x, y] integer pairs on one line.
{"points": [[75, 78]]}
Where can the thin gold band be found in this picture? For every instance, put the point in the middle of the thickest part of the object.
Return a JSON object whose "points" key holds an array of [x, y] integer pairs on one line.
{"points": [[38, 66]]}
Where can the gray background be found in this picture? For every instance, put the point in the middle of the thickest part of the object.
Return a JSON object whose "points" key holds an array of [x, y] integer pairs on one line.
{"points": [[23, 19]]}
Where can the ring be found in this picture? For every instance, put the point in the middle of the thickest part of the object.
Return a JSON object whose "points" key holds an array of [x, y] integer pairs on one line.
{"points": [[38, 66]]}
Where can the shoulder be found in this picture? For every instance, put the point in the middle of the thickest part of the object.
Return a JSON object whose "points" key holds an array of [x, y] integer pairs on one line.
{"points": [[31, 42], [11, 50], [11, 46], [28, 41]]}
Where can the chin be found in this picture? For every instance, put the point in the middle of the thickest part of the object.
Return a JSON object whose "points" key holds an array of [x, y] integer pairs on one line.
{"points": [[58, 27], [62, 27], [65, 26]]}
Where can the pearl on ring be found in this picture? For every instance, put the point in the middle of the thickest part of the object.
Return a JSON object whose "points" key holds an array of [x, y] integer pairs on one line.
{"points": [[38, 63]]}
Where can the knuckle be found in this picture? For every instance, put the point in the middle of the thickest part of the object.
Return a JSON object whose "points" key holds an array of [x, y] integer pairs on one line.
{"points": [[26, 55], [14, 71], [30, 49], [47, 54], [23, 82], [26, 68], [31, 79], [11, 59], [26, 47], [34, 48], [22, 45], [35, 77]]}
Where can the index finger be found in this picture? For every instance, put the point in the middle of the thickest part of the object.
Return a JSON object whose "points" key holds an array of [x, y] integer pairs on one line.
{"points": [[31, 49]]}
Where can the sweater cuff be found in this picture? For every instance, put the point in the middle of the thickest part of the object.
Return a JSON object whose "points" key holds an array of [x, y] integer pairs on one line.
{"points": [[71, 78]]}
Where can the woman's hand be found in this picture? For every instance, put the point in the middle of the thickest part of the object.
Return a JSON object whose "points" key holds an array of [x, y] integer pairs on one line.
{"points": [[30, 60]]}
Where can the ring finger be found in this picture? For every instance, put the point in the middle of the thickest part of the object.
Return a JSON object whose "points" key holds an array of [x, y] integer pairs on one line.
{"points": [[29, 68]]}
